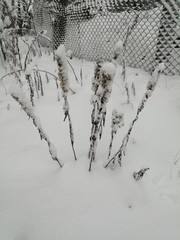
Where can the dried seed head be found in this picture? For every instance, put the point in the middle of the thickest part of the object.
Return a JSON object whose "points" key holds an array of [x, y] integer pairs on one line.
{"points": [[117, 120], [96, 78], [107, 74], [62, 69]]}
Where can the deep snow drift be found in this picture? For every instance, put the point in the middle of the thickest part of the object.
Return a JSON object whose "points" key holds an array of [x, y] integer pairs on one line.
{"points": [[41, 201]]}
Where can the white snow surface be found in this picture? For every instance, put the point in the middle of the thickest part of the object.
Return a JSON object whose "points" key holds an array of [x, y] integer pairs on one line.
{"points": [[41, 201]]}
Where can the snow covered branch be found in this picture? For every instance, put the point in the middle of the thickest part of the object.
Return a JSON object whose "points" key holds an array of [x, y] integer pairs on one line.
{"points": [[18, 97]]}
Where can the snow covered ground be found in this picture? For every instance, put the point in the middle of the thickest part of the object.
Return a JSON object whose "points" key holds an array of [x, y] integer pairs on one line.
{"points": [[41, 201]]}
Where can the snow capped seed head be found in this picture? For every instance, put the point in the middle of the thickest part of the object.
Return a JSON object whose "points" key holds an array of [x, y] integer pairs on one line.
{"points": [[107, 74], [117, 120], [158, 70], [108, 69], [118, 45], [118, 49], [61, 52], [69, 53], [96, 78], [62, 68], [155, 76]]}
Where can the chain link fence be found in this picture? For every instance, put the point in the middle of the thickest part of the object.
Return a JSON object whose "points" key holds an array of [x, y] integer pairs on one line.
{"points": [[90, 28]]}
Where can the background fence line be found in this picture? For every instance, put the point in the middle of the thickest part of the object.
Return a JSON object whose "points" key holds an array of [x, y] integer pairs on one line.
{"points": [[90, 28]]}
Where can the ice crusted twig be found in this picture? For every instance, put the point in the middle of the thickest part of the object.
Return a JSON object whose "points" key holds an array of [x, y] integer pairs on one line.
{"points": [[149, 90], [103, 93], [64, 84], [117, 122], [18, 97]]}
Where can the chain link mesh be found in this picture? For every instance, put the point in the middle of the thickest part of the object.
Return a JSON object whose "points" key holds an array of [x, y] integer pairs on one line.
{"points": [[90, 28]]}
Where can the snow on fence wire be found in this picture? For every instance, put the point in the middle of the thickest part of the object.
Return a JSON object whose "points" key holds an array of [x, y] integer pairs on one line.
{"points": [[90, 28]]}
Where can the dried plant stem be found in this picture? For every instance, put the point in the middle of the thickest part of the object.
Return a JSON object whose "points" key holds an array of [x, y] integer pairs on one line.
{"points": [[51, 43], [39, 128], [40, 84], [64, 84], [102, 124], [104, 81], [55, 77], [73, 71], [18, 51], [27, 55], [36, 84], [122, 149], [47, 78], [81, 73], [111, 142], [124, 81], [67, 115], [117, 122], [93, 139], [11, 73], [93, 114], [71, 135], [128, 33], [29, 80]]}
